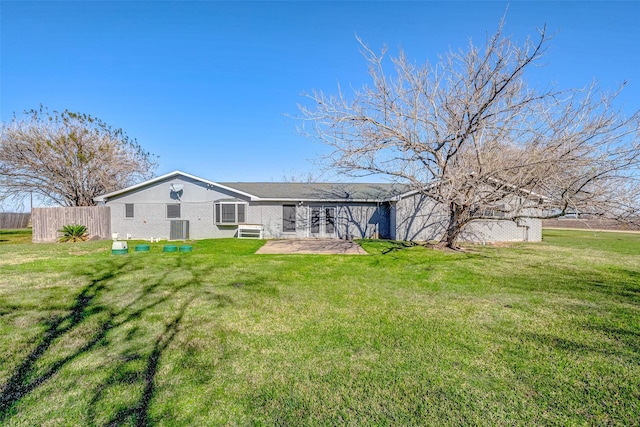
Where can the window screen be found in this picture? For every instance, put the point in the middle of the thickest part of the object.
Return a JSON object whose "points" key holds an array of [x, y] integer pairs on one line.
{"points": [[288, 218], [128, 210], [228, 213], [241, 215], [173, 211]]}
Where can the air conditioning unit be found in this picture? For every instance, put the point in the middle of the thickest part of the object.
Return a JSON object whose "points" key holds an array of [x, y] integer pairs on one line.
{"points": [[179, 230]]}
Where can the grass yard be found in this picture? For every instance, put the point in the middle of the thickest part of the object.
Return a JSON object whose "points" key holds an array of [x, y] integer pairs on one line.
{"points": [[15, 236], [532, 334]]}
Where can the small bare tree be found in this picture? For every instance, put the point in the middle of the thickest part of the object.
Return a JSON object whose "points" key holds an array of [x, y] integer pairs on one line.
{"points": [[67, 158], [306, 177], [472, 135]]}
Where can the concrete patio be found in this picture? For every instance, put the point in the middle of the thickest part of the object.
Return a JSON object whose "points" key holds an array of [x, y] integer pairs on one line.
{"points": [[311, 246]]}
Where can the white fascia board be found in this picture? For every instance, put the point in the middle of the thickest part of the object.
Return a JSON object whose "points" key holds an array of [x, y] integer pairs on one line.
{"points": [[531, 193], [410, 193], [105, 197], [499, 182], [271, 199]]}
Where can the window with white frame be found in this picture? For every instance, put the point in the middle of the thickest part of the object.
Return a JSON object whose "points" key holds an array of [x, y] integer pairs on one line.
{"points": [[489, 212], [128, 210], [227, 213]]}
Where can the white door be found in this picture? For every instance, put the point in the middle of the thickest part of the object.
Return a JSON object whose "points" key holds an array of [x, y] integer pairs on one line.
{"points": [[322, 221]]}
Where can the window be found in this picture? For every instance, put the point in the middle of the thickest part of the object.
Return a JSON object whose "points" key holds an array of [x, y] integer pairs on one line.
{"points": [[315, 220], [490, 213], [288, 218], [230, 212], [173, 210], [330, 220], [128, 210], [241, 212]]}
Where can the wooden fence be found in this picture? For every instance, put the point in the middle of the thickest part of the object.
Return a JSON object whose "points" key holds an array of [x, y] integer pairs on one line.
{"points": [[47, 221], [14, 220]]}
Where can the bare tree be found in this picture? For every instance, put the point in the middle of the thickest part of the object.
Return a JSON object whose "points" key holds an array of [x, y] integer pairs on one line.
{"points": [[307, 177], [469, 133], [67, 158]]}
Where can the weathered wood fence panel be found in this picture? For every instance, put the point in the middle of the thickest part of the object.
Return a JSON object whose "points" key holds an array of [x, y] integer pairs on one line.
{"points": [[47, 221], [14, 220]]}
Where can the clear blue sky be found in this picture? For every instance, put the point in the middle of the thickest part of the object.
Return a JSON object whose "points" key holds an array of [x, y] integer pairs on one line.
{"points": [[208, 85]]}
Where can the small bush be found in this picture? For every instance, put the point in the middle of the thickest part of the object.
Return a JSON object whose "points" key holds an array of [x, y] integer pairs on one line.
{"points": [[73, 233]]}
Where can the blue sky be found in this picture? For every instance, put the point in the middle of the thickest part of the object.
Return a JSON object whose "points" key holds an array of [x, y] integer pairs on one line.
{"points": [[209, 86]]}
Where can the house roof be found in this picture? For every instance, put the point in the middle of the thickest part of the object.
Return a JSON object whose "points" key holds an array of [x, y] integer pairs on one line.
{"points": [[318, 191], [173, 174], [287, 191]]}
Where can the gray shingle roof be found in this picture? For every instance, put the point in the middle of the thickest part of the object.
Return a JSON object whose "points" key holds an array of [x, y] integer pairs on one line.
{"points": [[288, 191], [318, 191]]}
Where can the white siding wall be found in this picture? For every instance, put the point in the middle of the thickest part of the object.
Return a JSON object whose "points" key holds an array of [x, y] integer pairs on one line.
{"points": [[526, 230], [412, 218], [271, 219], [150, 211], [421, 219], [358, 220], [363, 220]]}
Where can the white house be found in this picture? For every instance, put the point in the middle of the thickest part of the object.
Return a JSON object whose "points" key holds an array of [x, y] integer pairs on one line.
{"points": [[182, 206]]}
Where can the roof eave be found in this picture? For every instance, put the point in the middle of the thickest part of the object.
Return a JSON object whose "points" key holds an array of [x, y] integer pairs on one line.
{"points": [[307, 199], [105, 197]]}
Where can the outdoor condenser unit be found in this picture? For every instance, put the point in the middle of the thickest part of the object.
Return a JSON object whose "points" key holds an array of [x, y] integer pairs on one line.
{"points": [[179, 230]]}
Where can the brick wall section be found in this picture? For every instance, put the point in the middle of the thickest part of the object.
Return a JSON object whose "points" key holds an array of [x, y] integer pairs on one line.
{"points": [[357, 220], [421, 219], [416, 218], [150, 211], [526, 230], [197, 206]]}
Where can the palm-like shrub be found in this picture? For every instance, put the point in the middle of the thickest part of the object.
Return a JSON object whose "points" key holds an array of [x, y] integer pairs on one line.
{"points": [[73, 233]]}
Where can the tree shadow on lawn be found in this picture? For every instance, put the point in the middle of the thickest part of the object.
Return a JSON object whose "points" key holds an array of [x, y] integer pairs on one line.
{"points": [[29, 374], [23, 380], [575, 347], [613, 284], [139, 411], [598, 307]]}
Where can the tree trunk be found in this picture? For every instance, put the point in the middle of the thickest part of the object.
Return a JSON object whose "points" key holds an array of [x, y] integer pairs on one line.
{"points": [[454, 227]]}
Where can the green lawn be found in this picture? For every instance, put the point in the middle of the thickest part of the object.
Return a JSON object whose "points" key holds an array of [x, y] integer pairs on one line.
{"points": [[15, 236], [531, 334]]}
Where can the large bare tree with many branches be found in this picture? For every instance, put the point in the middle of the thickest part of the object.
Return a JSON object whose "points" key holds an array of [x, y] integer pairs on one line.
{"points": [[67, 158], [469, 133]]}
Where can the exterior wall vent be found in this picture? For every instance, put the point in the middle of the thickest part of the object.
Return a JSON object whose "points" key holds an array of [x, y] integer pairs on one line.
{"points": [[179, 230]]}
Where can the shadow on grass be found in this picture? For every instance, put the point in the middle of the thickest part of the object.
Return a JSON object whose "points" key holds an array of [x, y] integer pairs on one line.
{"points": [[23, 380], [610, 284], [30, 373], [394, 246], [139, 412]]}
